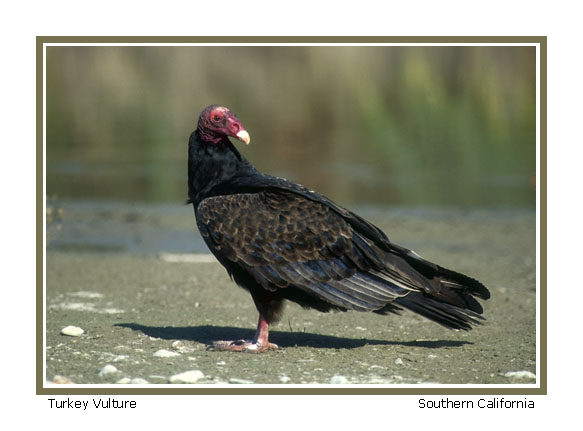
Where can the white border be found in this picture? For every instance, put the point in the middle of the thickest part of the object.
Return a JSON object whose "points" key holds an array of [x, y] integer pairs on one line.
{"points": [[421, 387]]}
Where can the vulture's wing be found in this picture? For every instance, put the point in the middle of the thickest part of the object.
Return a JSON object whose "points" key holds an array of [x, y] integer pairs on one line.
{"points": [[285, 240]]}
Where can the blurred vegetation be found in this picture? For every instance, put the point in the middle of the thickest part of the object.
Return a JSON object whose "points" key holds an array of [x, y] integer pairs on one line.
{"points": [[368, 125]]}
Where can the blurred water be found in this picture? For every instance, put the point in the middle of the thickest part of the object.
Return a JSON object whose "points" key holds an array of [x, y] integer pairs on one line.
{"points": [[352, 183], [114, 226], [363, 125], [151, 229]]}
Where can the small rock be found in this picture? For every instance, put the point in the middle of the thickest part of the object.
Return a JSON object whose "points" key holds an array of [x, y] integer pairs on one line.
{"points": [[72, 331], [398, 361], [163, 353], [523, 374], [157, 376], [124, 381], [240, 381], [338, 380], [108, 369], [180, 347], [62, 380], [187, 377], [138, 381], [177, 345], [284, 379]]}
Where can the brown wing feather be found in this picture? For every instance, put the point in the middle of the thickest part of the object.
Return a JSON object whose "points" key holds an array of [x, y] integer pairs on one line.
{"points": [[287, 241]]}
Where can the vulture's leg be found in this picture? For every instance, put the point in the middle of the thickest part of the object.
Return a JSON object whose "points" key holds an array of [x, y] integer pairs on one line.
{"points": [[259, 344]]}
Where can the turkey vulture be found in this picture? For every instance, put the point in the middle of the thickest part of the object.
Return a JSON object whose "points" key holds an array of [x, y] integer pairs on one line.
{"points": [[282, 241]]}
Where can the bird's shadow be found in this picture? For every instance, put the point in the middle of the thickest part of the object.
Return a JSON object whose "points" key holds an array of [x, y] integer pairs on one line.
{"points": [[207, 334]]}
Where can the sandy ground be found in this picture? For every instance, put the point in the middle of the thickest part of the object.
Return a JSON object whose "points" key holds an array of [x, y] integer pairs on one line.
{"points": [[152, 318]]}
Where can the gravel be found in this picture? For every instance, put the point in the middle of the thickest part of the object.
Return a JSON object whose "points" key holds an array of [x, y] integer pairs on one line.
{"points": [[181, 307]]}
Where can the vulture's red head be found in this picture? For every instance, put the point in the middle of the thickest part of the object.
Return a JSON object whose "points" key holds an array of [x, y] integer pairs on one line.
{"points": [[217, 122]]}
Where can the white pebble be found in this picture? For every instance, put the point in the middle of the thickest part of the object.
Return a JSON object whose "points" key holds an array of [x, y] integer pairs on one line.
{"points": [[520, 374], [338, 380], [138, 381], [240, 381], [187, 377], [61, 380], [177, 345], [124, 381], [108, 369], [180, 347], [163, 353], [72, 331], [398, 361], [284, 379]]}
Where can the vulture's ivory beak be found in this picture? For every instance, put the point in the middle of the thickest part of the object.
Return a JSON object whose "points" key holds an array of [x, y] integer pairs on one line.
{"points": [[244, 136]]}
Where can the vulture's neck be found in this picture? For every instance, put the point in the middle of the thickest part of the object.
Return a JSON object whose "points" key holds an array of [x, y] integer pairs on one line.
{"points": [[212, 164]]}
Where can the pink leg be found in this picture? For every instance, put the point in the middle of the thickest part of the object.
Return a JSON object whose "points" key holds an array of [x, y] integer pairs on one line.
{"points": [[259, 344]]}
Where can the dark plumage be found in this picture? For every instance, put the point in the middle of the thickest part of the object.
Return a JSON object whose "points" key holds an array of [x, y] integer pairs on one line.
{"points": [[283, 241]]}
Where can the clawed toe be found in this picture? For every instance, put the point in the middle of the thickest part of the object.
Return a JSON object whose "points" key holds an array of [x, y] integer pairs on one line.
{"points": [[241, 346]]}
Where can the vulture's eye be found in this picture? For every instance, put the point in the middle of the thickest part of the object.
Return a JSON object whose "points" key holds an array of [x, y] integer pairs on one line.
{"points": [[217, 117]]}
